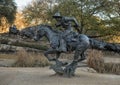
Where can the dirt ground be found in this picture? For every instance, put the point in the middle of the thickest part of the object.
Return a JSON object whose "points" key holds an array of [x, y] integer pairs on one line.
{"points": [[45, 76]]}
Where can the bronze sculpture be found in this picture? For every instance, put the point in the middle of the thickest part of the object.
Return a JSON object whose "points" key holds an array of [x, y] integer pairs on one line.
{"points": [[81, 44], [68, 40], [65, 41]]}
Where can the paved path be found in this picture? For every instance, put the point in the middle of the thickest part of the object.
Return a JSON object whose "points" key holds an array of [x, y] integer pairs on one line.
{"points": [[45, 76]]}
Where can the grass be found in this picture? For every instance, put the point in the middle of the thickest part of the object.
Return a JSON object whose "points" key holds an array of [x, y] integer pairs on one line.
{"points": [[7, 56]]}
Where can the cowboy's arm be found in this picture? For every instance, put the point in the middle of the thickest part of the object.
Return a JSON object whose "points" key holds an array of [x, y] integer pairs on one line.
{"points": [[72, 19], [58, 24]]}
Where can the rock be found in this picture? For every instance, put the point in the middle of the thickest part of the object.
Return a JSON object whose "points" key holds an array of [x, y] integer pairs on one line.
{"points": [[88, 69], [91, 70], [6, 62], [10, 48]]}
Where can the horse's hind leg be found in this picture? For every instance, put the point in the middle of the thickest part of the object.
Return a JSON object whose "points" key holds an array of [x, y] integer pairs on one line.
{"points": [[80, 49], [83, 57], [70, 69], [49, 51]]}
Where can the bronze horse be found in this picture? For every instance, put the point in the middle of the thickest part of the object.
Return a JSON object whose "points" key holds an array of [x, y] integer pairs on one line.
{"points": [[79, 46]]}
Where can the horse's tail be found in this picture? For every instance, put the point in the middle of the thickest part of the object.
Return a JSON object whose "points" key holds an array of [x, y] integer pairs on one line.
{"points": [[100, 45]]}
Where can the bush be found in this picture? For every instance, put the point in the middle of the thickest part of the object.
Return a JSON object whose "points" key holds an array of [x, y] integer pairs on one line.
{"points": [[25, 59], [95, 60], [112, 68]]}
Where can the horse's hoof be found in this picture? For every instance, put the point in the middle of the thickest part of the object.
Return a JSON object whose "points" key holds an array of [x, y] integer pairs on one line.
{"points": [[65, 63], [57, 69], [69, 70]]}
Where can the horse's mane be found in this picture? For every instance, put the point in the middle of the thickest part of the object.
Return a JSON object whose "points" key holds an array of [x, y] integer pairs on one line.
{"points": [[27, 28], [49, 28]]}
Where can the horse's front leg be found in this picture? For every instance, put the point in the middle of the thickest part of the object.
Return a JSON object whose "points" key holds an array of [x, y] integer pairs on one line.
{"points": [[50, 51], [57, 67]]}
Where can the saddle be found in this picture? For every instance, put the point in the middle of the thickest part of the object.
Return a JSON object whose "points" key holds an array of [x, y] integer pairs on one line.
{"points": [[71, 37], [71, 40]]}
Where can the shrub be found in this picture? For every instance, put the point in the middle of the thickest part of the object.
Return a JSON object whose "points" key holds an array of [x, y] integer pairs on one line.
{"points": [[96, 61], [25, 59]]}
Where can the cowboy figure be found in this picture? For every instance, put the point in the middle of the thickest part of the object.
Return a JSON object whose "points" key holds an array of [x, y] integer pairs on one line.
{"points": [[65, 22]]}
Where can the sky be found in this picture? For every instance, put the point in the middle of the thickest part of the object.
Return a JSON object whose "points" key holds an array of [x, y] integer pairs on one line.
{"points": [[22, 3]]}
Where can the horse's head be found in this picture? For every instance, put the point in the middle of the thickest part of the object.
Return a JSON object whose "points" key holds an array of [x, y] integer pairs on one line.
{"points": [[40, 32], [13, 30]]}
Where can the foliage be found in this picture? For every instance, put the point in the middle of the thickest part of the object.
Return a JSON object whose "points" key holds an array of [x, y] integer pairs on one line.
{"points": [[7, 13], [35, 12], [91, 14], [96, 17], [8, 10], [20, 22], [4, 25]]}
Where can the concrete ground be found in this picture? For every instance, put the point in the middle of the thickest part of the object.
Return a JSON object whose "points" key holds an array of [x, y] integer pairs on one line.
{"points": [[45, 76]]}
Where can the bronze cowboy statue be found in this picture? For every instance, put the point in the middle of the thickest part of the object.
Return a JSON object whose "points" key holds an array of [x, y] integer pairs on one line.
{"points": [[66, 23]]}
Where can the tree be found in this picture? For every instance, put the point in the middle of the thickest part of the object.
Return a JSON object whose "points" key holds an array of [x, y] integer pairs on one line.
{"points": [[93, 15], [98, 18], [7, 11], [20, 22], [82, 10], [36, 12]]}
